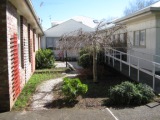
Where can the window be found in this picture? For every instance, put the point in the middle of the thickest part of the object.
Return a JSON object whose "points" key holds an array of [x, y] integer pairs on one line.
{"points": [[136, 38], [143, 38], [140, 38], [51, 43]]}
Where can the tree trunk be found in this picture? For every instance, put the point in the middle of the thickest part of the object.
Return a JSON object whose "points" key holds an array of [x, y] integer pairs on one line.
{"points": [[94, 63], [66, 58]]}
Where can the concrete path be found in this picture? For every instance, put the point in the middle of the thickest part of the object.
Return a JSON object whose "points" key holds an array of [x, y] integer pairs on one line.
{"points": [[60, 64], [74, 65], [150, 111], [58, 114], [44, 93]]}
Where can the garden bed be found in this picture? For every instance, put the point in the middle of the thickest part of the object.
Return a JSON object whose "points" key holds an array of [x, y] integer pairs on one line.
{"points": [[95, 98]]}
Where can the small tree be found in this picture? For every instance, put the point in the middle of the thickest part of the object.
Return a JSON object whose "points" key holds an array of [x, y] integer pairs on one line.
{"points": [[95, 41]]}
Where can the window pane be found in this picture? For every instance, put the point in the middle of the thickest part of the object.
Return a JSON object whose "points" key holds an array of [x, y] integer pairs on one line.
{"points": [[49, 43], [122, 37], [143, 38], [136, 38]]}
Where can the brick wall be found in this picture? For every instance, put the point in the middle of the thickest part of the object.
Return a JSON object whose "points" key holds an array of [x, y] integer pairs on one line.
{"points": [[9, 27], [25, 46], [31, 49]]}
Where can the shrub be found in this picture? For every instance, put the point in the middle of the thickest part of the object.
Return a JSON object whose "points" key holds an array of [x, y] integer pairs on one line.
{"points": [[85, 61], [128, 93], [44, 59], [146, 91], [86, 58], [72, 88]]}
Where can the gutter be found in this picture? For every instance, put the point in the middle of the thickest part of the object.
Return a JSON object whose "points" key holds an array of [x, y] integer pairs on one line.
{"points": [[29, 4], [151, 9]]}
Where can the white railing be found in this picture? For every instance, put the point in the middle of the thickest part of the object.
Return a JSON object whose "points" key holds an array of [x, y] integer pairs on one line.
{"points": [[114, 55]]}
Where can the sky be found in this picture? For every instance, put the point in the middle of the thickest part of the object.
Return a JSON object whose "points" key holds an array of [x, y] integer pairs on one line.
{"points": [[60, 10]]}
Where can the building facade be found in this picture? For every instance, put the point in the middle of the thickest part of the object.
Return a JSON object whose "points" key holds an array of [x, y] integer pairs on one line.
{"points": [[142, 28], [53, 35], [20, 39]]}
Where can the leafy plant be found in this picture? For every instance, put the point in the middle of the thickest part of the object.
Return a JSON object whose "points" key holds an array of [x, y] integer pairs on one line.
{"points": [[44, 59], [86, 58], [146, 91], [128, 93], [85, 61], [72, 88]]}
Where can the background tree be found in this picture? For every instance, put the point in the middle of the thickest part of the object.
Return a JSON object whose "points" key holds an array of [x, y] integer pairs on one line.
{"points": [[136, 5], [95, 41]]}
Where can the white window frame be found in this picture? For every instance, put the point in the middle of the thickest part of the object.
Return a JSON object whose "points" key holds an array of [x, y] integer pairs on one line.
{"points": [[139, 41]]}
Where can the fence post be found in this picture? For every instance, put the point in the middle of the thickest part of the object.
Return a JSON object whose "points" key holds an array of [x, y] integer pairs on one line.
{"points": [[138, 71], [109, 56], [113, 58], [120, 61], [105, 55], [154, 69], [129, 65]]}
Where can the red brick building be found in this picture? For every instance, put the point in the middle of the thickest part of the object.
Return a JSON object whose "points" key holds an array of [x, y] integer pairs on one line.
{"points": [[20, 34]]}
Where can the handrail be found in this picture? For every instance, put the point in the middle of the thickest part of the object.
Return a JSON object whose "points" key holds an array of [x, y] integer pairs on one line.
{"points": [[134, 56], [151, 54]]}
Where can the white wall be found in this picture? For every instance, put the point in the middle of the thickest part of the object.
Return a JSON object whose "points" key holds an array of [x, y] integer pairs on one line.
{"points": [[147, 23], [36, 42], [43, 42]]}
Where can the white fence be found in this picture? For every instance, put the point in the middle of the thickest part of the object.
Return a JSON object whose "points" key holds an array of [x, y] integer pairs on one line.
{"points": [[134, 67]]}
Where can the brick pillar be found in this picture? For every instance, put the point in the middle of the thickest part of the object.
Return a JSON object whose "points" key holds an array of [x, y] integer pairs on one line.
{"points": [[33, 52], [34, 38], [22, 41], [29, 42], [4, 85]]}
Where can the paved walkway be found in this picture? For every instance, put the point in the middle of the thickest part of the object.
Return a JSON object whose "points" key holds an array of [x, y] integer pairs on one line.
{"points": [[44, 93], [150, 111], [58, 114], [60, 64]]}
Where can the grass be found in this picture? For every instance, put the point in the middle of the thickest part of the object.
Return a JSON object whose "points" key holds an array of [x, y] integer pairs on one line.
{"points": [[52, 70], [30, 88]]}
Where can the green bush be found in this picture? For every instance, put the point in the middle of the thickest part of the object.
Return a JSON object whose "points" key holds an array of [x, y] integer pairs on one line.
{"points": [[86, 58], [85, 61], [128, 93], [146, 91], [72, 88], [44, 59]]}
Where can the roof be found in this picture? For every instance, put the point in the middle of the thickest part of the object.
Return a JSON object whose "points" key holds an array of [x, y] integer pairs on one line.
{"points": [[84, 20], [25, 8], [66, 28], [151, 8]]}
